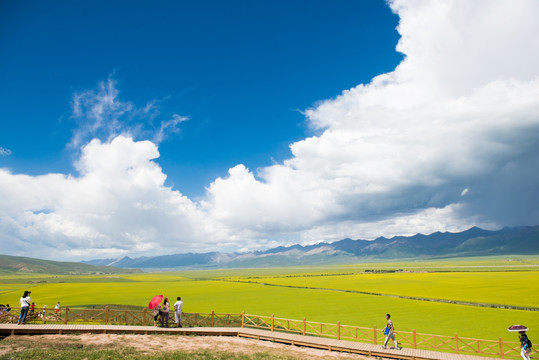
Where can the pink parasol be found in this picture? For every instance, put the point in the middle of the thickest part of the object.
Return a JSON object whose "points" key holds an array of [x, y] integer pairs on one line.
{"points": [[518, 328], [155, 301]]}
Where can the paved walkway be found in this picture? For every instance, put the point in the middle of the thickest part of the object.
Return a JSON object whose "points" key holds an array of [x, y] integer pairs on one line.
{"points": [[279, 337]]}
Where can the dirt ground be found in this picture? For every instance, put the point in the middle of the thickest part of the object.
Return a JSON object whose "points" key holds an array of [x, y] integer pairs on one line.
{"points": [[149, 344]]}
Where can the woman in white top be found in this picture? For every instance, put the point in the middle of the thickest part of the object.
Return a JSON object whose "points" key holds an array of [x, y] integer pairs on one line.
{"points": [[164, 315], [25, 305]]}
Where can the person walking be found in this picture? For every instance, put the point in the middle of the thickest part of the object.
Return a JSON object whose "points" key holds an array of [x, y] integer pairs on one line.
{"points": [[525, 345], [178, 307], [25, 305], [165, 311], [389, 331]]}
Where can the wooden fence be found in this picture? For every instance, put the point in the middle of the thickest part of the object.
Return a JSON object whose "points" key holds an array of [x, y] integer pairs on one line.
{"points": [[452, 344]]}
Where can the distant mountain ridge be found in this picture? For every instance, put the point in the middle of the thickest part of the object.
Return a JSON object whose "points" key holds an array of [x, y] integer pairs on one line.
{"points": [[472, 242], [20, 264]]}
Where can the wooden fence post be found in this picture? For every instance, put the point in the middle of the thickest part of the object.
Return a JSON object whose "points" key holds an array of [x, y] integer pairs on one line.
{"points": [[65, 318], [375, 340], [304, 326], [414, 339], [212, 318], [106, 315], [144, 311], [501, 349], [243, 319], [456, 343], [272, 322], [338, 330]]}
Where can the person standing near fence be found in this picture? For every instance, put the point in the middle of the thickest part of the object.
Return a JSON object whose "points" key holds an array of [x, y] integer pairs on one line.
{"points": [[25, 305], [164, 315], [57, 308], [525, 345], [178, 307], [389, 331], [156, 313]]}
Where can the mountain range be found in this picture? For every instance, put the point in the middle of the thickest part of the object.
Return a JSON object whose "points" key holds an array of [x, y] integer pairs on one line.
{"points": [[472, 242], [20, 264]]}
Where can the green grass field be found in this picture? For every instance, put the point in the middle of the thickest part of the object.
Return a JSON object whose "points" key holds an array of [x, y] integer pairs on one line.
{"points": [[481, 280]]}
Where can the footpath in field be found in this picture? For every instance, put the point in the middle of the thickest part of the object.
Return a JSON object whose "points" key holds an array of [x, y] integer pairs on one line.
{"points": [[285, 338]]}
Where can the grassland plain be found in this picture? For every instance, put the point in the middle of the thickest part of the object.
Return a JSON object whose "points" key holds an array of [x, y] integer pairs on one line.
{"points": [[495, 280]]}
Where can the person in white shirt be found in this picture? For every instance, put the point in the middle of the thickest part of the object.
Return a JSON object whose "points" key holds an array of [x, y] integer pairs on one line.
{"points": [[178, 307], [25, 305], [390, 333]]}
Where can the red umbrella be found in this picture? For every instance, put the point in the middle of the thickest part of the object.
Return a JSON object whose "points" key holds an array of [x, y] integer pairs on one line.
{"points": [[518, 328], [155, 301]]}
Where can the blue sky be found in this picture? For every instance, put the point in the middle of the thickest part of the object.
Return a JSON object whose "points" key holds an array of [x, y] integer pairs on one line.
{"points": [[137, 128], [241, 71]]}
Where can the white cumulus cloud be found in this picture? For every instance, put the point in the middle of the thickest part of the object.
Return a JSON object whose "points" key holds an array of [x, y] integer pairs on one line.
{"points": [[391, 157], [117, 205], [461, 110]]}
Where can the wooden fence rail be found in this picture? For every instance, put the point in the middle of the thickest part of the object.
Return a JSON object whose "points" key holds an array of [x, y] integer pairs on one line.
{"points": [[111, 316]]}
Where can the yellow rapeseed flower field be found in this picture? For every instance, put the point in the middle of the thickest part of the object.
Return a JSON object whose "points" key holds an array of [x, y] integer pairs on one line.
{"points": [[324, 293]]}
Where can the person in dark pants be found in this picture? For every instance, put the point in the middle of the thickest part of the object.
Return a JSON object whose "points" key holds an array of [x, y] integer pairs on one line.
{"points": [[156, 313], [164, 313], [525, 348]]}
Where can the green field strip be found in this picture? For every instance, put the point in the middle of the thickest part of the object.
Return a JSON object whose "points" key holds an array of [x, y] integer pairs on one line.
{"points": [[447, 301], [516, 290]]}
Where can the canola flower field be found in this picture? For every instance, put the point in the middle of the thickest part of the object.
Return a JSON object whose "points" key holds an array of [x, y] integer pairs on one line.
{"points": [[358, 294]]}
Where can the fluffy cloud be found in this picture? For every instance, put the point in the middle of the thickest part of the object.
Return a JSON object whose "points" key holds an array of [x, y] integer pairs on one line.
{"points": [[459, 116], [446, 141], [118, 205]]}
